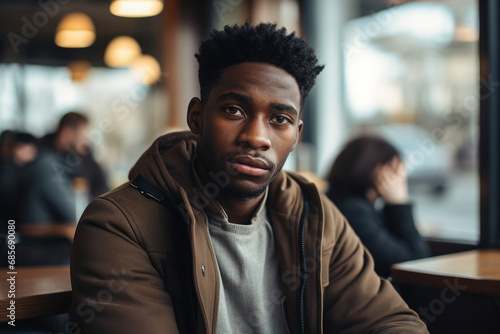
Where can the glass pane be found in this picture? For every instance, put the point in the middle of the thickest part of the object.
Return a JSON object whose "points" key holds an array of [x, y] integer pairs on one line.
{"points": [[123, 119], [412, 76]]}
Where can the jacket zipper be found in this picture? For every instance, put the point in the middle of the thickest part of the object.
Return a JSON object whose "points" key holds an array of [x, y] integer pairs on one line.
{"points": [[302, 254]]}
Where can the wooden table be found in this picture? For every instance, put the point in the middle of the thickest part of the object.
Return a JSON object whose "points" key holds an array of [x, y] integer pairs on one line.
{"points": [[476, 271], [39, 291]]}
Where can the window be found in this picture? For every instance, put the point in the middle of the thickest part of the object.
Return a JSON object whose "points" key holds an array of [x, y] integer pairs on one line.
{"points": [[411, 75], [123, 112]]}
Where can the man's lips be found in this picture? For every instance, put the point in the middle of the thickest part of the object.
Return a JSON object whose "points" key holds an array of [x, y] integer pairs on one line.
{"points": [[249, 165]]}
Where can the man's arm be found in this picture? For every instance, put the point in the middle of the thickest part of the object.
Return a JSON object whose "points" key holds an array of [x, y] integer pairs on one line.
{"points": [[357, 300], [116, 289]]}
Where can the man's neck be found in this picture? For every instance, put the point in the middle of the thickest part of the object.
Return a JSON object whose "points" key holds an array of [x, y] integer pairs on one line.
{"points": [[239, 211]]}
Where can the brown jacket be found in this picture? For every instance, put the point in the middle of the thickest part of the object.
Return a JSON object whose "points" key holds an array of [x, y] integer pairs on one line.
{"points": [[135, 267]]}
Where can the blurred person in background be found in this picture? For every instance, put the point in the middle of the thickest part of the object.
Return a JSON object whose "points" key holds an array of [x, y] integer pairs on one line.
{"points": [[64, 156], [369, 168], [48, 195], [18, 149], [6, 140], [6, 169], [48, 202], [72, 142]]}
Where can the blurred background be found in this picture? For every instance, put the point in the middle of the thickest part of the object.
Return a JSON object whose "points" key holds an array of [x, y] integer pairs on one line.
{"points": [[407, 70]]}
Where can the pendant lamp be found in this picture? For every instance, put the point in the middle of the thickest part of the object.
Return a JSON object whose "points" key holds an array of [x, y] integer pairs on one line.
{"points": [[121, 51], [136, 8], [75, 30]]}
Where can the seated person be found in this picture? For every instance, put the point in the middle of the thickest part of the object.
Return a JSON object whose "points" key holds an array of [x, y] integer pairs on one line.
{"points": [[366, 169], [48, 204], [18, 149], [211, 236], [71, 141], [48, 196]]}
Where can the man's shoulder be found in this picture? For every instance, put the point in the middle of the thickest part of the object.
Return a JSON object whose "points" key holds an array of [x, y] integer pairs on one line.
{"points": [[121, 192], [125, 208], [130, 201]]}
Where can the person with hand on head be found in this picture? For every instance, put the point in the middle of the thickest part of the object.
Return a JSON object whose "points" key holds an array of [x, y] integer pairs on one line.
{"points": [[369, 168], [210, 235]]}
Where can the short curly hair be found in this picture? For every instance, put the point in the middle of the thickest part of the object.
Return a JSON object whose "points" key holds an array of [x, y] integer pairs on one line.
{"points": [[258, 44]]}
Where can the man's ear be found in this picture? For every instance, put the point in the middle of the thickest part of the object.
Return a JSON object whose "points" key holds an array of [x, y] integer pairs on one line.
{"points": [[299, 131], [194, 113]]}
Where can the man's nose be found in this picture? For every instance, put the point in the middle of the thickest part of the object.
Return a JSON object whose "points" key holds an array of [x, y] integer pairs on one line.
{"points": [[255, 134]]}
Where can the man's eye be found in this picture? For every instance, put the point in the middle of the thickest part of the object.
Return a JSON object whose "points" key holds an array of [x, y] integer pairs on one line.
{"points": [[281, 120], [233, 111]]}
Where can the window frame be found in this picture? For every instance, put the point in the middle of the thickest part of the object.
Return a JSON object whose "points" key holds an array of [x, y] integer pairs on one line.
{"points": [[489, 124]]}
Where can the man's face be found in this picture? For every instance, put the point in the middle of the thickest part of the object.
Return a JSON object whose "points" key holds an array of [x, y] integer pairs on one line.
{"points": [[24, 153], [248, 126], [82, 139], [76, 139]]}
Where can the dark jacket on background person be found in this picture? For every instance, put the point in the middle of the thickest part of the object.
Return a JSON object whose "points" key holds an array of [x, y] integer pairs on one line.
{"points": [[389, 235], [47, 195], [8, 193], [136, 268], [84, 166]]}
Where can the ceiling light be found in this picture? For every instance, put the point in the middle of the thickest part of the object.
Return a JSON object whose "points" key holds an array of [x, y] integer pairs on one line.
{"points": [[121, 51], [75, 30], [136, 8], [147, 69]]}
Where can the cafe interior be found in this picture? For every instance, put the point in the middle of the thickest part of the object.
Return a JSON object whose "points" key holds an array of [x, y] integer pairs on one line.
{"points": [[423, 74]]}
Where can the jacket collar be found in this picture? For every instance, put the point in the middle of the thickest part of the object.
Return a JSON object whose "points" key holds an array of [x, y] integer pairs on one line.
{"points": [[165, 162]]}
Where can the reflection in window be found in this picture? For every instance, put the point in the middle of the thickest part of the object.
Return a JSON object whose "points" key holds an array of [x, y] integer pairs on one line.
{"points": [[411, 75]]}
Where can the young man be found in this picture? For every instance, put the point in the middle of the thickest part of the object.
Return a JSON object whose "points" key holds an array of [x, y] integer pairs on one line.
{"points": [[210, 236]]}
